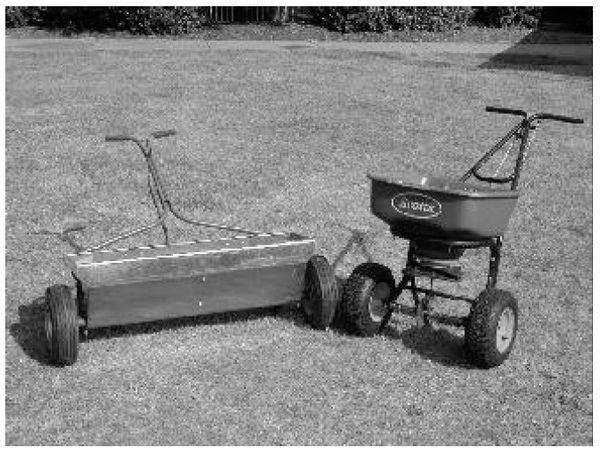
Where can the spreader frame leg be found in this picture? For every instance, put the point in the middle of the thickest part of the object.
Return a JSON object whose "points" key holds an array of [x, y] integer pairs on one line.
{"points": [[494, 267], [423, 297]]}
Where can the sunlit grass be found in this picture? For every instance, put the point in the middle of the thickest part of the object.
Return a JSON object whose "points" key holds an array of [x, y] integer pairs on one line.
{"points": [[282, 140]]}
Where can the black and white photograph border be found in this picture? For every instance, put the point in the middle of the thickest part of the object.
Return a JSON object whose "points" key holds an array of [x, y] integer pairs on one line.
{"points": [[298, 225]]}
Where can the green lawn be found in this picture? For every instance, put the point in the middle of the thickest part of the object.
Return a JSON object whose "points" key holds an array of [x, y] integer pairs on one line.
{"points": [[282, 140]]}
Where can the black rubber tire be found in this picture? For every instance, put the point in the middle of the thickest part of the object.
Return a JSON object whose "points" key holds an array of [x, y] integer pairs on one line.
{"points": [[481, 329], [321, 294], [61, 325], [355, 313]]}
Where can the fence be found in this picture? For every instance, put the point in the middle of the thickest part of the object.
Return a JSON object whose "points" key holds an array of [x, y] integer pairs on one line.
{"points": [[229, 14]]}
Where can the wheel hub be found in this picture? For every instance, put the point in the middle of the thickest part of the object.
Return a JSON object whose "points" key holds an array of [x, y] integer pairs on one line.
{"points": [[377, 302], [505, 330]]}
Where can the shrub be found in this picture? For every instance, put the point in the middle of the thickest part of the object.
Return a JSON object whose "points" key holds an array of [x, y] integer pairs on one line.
{"points": [[507, 16], [385, 18], [163, 20], [15, 16], [180, 20], [142, 20], [71, 19], [20, 16]]}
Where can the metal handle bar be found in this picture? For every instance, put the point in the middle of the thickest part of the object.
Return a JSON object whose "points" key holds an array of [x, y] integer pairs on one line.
{"points": [[165, 133], [119, 137], [159, 195], [559, 118], [534, 117], [158, 192], [521, 131], [505, 110], [155, 135]]}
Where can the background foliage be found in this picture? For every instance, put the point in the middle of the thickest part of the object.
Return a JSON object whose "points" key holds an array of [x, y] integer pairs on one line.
{"points": [[181, 20], [382, 19], [137, 20]]}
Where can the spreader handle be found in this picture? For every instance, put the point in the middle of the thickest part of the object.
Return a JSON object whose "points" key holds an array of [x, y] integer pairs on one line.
{"points": [[505, 110], [124, 137], [165, 133], [560, 118], [119, 137]]}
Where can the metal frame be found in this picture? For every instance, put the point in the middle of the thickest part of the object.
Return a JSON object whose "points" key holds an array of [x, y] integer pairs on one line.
{"points": [[413, 269], [160, 198], [119, 286], [522, 132]]}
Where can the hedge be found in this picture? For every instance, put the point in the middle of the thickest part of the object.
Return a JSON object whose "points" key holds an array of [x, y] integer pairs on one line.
{"points": [[181, 20], [386, 18], [137, 20]]}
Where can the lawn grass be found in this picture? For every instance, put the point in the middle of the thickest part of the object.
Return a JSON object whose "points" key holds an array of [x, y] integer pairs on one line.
{"points": [[297, 31], [282, 140]]}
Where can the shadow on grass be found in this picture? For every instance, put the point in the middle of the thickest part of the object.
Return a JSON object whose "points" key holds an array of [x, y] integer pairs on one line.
{"points": [[435, 344], [231, 317], [438, 345], [576, 62], [29, 334]]}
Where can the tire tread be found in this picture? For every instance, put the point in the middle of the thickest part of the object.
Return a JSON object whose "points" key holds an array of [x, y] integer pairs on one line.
{"points": [[62, 308], [354, 310], [480, 335], [322, 311]]}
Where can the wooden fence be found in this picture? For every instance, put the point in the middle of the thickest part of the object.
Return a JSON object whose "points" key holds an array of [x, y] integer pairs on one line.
{"points": [[231, 14]]}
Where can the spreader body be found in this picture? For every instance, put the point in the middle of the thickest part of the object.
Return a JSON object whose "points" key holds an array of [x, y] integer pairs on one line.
{"points": [[440, 208], [149, 283]]}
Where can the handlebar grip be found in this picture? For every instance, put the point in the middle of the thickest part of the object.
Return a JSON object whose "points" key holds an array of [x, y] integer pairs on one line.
{"points": [[118, 137], [505, 110], [559, 118], [165, 133]]}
